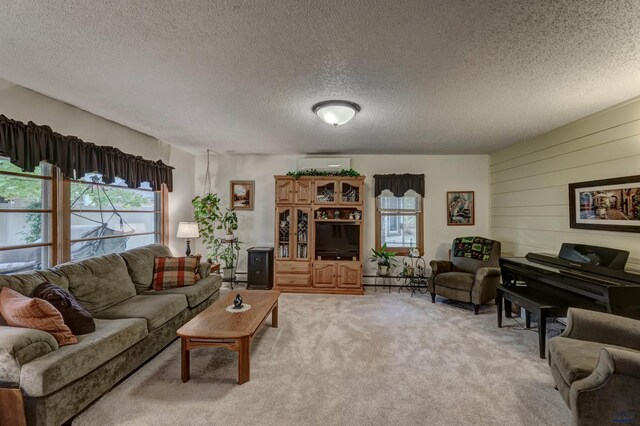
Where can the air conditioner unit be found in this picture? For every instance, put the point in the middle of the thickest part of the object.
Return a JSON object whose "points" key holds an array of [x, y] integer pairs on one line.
{"points": [[324, 164]]}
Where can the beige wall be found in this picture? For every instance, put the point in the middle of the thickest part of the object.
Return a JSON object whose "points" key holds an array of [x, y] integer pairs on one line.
{"points": [[443, 173], [529, 181], [25, 105]]}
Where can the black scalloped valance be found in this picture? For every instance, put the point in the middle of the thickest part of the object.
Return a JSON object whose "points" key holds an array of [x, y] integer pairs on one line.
{"points": [[27, 145], [399, 184]]}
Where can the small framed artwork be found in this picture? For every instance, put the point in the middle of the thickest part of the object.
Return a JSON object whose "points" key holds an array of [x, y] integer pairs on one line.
{"points": [[606, 204], [242, 194], [460, 208]]}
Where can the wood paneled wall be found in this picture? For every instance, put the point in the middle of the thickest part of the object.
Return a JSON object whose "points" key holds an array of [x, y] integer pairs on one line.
{"points": [[529, 181]]}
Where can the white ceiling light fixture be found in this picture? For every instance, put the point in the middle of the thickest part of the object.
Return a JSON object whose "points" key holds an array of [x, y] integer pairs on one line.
{"points": [[336, 113]]}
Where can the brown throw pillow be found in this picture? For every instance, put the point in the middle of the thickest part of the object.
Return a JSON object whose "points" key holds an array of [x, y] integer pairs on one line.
{"points": [[172, 272], [75, 316], [23, 311]]}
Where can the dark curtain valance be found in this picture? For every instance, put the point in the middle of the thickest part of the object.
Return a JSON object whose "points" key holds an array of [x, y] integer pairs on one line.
{"points": [[399, 184], [27, 145]]}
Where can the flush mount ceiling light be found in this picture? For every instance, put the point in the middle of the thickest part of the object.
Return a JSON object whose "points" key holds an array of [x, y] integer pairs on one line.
{"points": [[336, 113]]}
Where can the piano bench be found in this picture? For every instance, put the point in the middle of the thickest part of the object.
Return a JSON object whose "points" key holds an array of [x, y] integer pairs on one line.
{"points": [[533, 302]]}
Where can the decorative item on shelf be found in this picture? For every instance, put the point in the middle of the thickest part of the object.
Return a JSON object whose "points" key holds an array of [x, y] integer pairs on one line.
{"points": [[384, 258], [242, 194], [414, 252], [352, 216], [318, 214], [357, 215], [313, 172], [188, 230], [237, 301], [336, 214]]}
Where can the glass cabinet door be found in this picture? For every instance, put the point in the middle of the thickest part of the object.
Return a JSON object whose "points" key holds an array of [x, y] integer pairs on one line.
{"points": [[301, 237], [351, 192], [325, 192], [283, 233]]}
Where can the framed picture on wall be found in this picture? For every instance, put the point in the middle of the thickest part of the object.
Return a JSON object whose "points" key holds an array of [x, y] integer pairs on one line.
{"points": [[242, 194], [460, 208], [606, 204]]}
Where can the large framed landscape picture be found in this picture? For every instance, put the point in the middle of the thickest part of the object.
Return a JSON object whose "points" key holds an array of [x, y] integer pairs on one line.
{"points": [[607, 204], [242, 194], [460, 208]]}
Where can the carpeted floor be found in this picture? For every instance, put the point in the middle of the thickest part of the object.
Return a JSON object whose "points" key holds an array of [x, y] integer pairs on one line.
{"points": [[378, 359]]}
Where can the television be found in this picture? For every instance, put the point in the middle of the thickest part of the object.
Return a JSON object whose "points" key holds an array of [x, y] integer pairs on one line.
{"points": [[337, 240]]}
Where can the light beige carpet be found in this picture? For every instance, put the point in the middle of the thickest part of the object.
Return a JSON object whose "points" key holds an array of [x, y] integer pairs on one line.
{"points": [[378, 359]]}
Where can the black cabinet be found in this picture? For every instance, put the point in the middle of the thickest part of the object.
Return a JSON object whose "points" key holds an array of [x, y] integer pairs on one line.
{"points": [[260, 268]]}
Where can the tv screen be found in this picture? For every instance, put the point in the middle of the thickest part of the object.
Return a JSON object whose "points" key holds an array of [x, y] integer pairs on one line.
{"points": [[337, 239]]}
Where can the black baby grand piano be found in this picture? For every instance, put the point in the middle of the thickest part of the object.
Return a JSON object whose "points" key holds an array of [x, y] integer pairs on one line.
{"points": [[583, 276]]}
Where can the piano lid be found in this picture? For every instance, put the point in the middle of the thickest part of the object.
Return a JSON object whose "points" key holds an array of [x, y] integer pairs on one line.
{"points": [[591, 259]]}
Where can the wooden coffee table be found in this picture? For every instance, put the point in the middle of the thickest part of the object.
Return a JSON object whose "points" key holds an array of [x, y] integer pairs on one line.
{"points": [[216, 328]]}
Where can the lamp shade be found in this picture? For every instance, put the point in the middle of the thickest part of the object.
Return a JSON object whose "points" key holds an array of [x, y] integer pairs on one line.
{"points": [[336, 113], [188, 230]]}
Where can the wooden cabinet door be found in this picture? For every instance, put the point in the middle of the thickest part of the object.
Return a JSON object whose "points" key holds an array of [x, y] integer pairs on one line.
{"points": [[324, 275], [351, 191], [284, 191], [325, 191], [301, 231], [283, 237], [349, 275], [302, 191]]}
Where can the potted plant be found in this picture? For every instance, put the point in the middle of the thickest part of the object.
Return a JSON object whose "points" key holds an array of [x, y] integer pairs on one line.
{"points": [[384, 258], [229, 222], [207, 213]]}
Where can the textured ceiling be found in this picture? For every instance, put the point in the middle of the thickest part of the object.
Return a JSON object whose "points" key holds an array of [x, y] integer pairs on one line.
{"points": [[437, 77]]}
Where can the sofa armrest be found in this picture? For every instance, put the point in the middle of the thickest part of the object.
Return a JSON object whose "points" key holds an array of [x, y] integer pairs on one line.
{"points": [[602, 328], [610, 391], [440, 266], [19, 346], [484, 285], [204, 269]]}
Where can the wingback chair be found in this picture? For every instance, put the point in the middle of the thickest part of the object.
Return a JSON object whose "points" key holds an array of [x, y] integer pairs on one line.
{"points": [[595, 363], [471, 275]]}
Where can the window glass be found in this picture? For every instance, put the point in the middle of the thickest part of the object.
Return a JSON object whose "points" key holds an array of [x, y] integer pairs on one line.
{"points": [[399, 220]]}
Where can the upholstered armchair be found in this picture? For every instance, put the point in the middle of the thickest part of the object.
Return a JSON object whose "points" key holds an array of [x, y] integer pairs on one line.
{"points": [[595, 363], [471, 275]]}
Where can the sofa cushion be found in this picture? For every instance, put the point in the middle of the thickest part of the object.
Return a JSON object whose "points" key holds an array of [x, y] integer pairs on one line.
{"points": [[25, 284], [197, 293], [576, 359], [455, 280], [75, 316], [55, 370], [174, 272], [140, 264], [156, 309], [22, 311], [99, 282]]}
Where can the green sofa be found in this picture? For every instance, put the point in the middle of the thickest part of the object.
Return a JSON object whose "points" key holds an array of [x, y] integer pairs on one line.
{"points": [[132, 325]]}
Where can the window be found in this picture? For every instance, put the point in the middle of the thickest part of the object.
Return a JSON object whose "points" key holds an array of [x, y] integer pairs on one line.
{"points": [[399, 221], [111, 218], [26, 218]]}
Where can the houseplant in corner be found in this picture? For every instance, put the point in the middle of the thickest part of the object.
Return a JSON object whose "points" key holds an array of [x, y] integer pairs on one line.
{"points": [[229, 222], [384, 258], [207, 213]]}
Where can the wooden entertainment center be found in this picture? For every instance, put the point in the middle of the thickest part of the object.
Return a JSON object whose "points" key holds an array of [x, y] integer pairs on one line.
{"points": [[330, 203]]}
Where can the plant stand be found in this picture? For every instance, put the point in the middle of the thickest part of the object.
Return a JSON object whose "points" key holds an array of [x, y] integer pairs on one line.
{"points": [[414, 274], [233, 279]]}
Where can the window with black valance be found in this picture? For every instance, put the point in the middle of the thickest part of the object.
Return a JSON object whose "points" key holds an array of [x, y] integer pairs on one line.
{"points": [[26, 145], [399, 184]]}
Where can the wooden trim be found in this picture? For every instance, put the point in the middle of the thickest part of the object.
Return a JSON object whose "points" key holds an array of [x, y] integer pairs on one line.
{"points": [[25, 246], [25, 175], [74, 211], [164, 214], [26, 211], [12, 407], [114, 236], [65, 211]]}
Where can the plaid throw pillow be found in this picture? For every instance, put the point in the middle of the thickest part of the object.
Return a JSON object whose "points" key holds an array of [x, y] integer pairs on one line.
{"points": [[172, 272]]}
